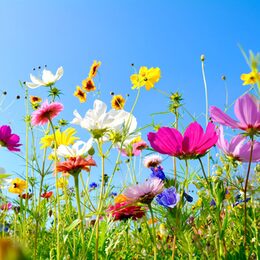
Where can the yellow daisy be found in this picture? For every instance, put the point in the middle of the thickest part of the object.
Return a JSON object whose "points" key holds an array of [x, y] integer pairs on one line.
{"points": [[94, 69], [118, 102], [146, 77], [62, 182], [251, 78], [18, 186], [80, 94], [88, 85]]}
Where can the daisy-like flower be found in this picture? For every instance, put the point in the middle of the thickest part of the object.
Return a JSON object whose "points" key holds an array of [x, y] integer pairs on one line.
{"points": [[247, 110], [118, 102], [237, 148], [80, 148], [62, 138], [80, 94], [47, 195], [126, 210], [144, 192], [35, 100], [48, 79], [74, 165], [46, 112], [94, 69], [251, 78], [168, 198], [88, 85], [146, 77], [153, 160], [18, 186], [9, 140], [134, 148]]}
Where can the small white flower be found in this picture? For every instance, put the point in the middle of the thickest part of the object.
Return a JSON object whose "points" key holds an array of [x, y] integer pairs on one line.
{"points": [[152, 160], [48, 79], [79, 148]]}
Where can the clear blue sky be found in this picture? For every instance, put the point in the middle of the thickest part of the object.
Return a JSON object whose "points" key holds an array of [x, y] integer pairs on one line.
{"points": [[169, 34]]}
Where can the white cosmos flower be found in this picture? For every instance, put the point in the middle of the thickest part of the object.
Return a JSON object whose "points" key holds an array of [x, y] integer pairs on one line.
{"points": [[79, 148], [48, 79]]}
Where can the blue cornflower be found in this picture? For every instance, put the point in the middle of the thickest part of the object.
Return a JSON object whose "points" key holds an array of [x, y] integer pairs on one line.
{"points": [[168, 198], [240, 201], [157, 172], [113, 194], [213, 203], [92, 185], [187, 197]]}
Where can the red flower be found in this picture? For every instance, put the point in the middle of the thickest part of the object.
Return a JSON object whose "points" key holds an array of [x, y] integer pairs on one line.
{"points": [[125, 210], [47, 195], [75, 164], [26, 196]]}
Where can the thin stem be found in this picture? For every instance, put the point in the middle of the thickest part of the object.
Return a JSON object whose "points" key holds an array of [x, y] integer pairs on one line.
{"points": [[206, 91], [76, 181], [245, 190], [204, 174], [154, 232]]}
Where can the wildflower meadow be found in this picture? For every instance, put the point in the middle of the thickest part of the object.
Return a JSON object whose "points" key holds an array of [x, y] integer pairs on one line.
{"points": [[92, 171]]}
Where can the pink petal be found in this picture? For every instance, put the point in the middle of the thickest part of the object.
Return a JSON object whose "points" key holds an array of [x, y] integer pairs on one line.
{"points": [[222, 118]]}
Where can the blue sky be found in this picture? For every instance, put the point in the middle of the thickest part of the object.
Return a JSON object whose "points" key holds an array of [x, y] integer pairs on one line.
{"points": [[167, 34]]}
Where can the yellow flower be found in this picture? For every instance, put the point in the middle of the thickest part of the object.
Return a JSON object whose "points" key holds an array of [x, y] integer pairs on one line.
{"points": [[118, 102], [80, 94], [120, 198], [62, 182], [88, 85], [150, 221], [162, 231], [66, 138], [136, 140], [18, 186], [35, 100], [251, 78], [146, 77], [94, 69]]}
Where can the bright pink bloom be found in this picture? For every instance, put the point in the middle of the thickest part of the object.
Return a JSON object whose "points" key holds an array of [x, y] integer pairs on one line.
{"points": [[237, 148], [247, 111], [192, 144], [9, 140], [144, 192], [46, 112], [125, 210], [6, 206]]}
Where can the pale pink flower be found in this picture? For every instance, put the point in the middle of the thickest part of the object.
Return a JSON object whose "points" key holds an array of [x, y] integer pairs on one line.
{"points": [[144, 192], [153, 160], [46, 112], [237, 148], [247, 111], [194, 143]]}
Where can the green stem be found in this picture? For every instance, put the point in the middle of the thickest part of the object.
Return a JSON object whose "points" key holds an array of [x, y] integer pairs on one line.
{"points": [[154, 232], [76, 181], [245, 190]]}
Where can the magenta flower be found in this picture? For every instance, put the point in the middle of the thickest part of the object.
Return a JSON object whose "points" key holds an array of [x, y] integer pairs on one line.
{"points": [[194, 143], [144, 192], [6, 206], [46, 112], [9, 140], [237, 148], [247, 111]]}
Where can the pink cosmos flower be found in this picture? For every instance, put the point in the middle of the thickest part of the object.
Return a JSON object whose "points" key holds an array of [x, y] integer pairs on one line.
{"points": [[9, 140], [125, 210], [247, 111], [46, 112], [135, 149], [144, 192], [237, 148], [194, 143]]}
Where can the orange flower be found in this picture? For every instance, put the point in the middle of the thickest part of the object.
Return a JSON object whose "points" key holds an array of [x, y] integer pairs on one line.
{"points": [[94, 69], [35, 99], [80, 94], [120, 198]]}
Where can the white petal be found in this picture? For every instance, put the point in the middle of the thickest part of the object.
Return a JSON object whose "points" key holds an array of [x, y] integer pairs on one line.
{"points": [[78, 119], [99, 107], [65, 151], [59, 73], [36, 80], [32, 85], [47, 77]]}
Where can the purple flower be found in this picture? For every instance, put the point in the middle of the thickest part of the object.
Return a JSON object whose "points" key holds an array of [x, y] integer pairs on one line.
{"points": [[9, 140], [168, 198], [157, 172], [213, 203], [237, 148], [113, 194], [144, 192]]}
